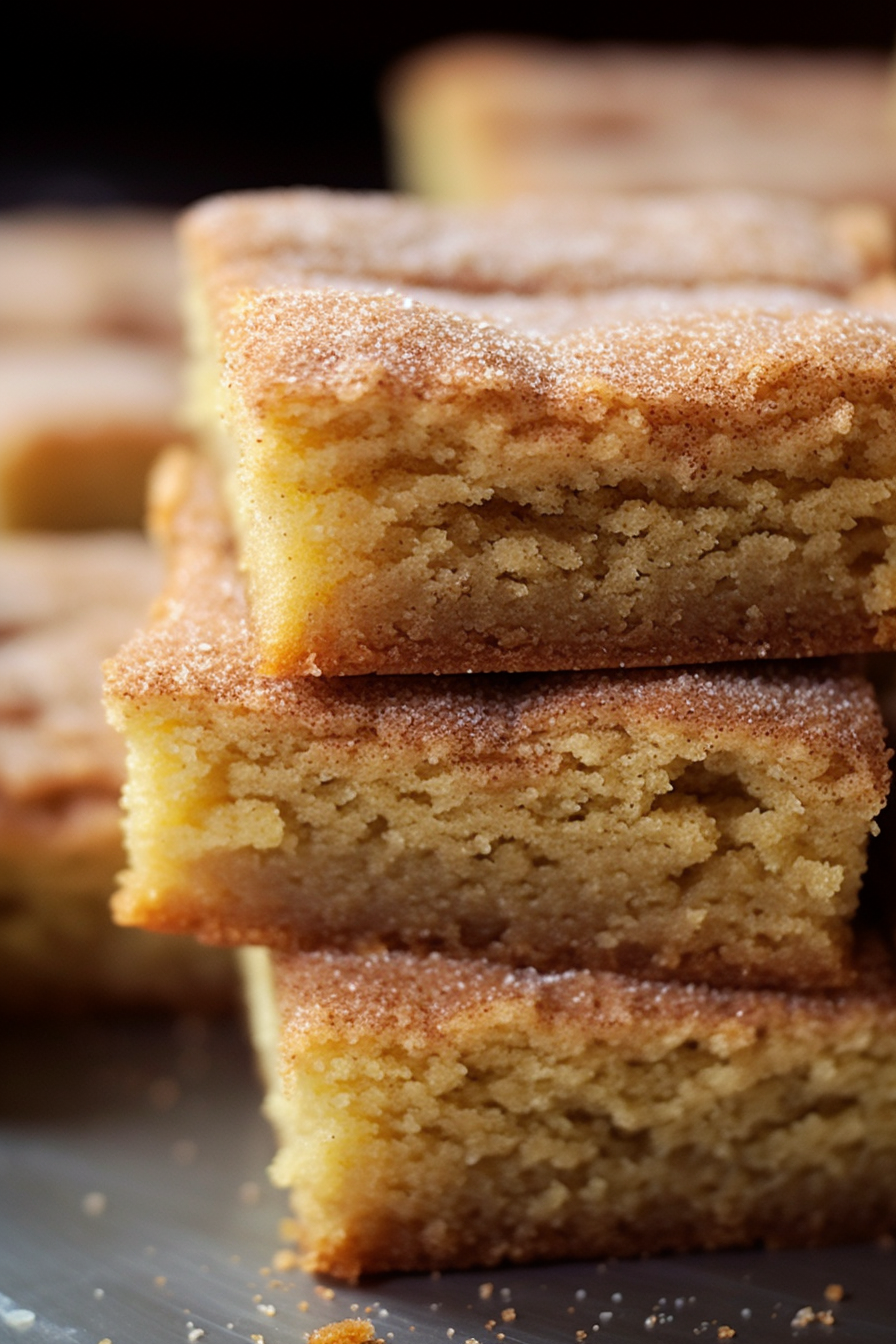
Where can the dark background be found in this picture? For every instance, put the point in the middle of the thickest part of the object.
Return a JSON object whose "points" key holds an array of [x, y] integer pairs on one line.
{"points": [[168, 101]]}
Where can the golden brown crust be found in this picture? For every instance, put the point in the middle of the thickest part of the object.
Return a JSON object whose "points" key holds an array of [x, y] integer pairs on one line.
{"points": [[816, 638], [421, 1001], [200, 648], [718, 372], [235, 901], [798, 1220]]}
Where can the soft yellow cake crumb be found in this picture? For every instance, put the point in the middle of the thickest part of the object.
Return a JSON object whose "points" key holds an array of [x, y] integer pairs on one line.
{"points": [[678, 822], [436, 1114]]}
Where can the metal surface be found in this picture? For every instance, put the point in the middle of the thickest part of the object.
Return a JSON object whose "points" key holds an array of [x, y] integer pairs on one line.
{"points": [[134, 1208]]}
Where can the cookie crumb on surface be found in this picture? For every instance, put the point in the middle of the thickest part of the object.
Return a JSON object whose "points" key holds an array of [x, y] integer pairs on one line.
{"points": [[349, 1331], [805, 1316]]}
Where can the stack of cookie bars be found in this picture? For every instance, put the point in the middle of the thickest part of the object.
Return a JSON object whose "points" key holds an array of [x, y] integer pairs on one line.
{"points": [[464, 698]]}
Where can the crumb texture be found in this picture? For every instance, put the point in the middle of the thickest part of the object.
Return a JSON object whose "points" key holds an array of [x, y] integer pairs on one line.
{"points": [[500, 1116], [349, 1331], [676, 822]]}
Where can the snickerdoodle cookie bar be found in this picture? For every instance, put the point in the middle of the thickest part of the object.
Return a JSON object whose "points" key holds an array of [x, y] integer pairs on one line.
{"points": [[80, 424], [434, 1114], [445, 454], [488, 117]]}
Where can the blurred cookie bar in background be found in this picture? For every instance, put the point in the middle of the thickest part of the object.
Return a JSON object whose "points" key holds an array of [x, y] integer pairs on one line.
{"points": [[81, 422], [101, 272], [492, 117], [66, 603], [88, 386], [88, 364]]}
